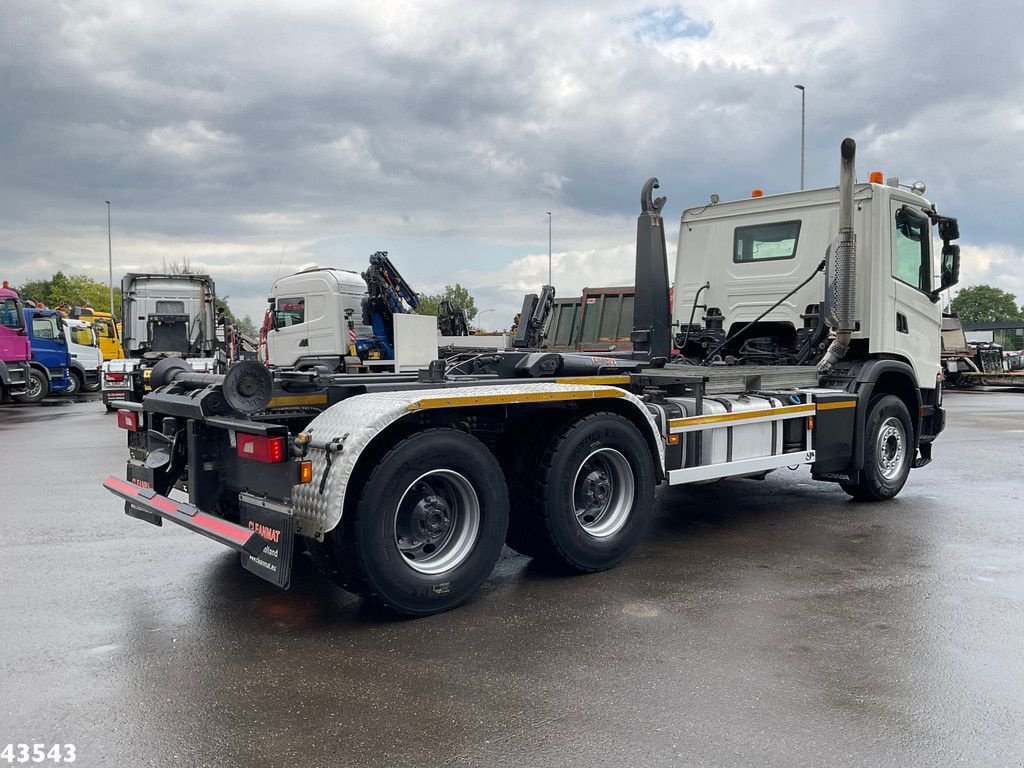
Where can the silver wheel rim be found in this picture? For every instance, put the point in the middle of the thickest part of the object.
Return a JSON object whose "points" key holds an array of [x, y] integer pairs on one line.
{"points": [[603, 492], [34, 388], [890, 448], [437, 522]]}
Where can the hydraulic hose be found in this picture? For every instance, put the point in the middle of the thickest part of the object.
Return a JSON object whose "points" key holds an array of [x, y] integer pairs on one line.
{"points": [[764, 314]]}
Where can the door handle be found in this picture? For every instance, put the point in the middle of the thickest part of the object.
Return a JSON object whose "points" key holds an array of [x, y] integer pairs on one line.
{"points": [[901, 323]]}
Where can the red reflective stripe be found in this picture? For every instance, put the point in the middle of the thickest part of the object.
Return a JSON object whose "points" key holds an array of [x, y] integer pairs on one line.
{"points": [[202, 520], [222, 527], [123, 485]]}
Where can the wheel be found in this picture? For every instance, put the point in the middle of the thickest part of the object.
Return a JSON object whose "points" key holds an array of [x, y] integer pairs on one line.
{"points": [[888, 452], [92, 387], [592, 496], [37, 388], [521, 466], [428, 526], [74, 383]]}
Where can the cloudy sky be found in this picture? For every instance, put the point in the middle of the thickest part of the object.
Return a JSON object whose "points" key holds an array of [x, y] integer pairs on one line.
{"points": [[255, 140]]}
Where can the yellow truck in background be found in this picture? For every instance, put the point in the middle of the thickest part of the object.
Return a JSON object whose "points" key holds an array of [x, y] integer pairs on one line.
{"points": [[108, 332]]}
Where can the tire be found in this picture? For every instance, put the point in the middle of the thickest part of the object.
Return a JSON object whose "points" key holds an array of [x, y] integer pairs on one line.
{"points": [[74, 383], [92, 387], [888, 452], [522, 462], [428, 526], [592, 494], [38, 388]]}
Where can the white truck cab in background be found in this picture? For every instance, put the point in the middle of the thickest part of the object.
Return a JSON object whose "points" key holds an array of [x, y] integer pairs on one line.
{"points": [[86, 356]]}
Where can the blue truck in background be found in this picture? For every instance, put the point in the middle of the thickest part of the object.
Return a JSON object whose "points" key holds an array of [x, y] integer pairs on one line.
{"points": [[51, 360]]}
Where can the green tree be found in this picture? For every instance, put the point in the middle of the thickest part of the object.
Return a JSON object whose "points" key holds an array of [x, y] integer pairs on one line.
{"points": [[72, 290], [986, 304], [456, 294], [247, 326]]}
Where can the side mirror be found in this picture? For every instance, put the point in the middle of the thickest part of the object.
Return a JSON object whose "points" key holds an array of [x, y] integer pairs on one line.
{"points": [[949, 269], [949, 229], [950, 266]]}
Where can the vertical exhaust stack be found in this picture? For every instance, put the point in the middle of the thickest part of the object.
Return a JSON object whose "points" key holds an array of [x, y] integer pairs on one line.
{"points": [[841, 274], [652, 326]]}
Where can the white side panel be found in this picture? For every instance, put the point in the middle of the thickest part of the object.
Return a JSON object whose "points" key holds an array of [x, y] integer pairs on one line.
{"points": [[503, 341], [415, 342]]}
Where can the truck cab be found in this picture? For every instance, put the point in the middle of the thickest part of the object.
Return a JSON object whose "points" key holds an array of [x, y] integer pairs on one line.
{"points": [[108, 332], [51, 359], [15, 351], [309, 314], [86, 356], [736, 259], [162, 316]]}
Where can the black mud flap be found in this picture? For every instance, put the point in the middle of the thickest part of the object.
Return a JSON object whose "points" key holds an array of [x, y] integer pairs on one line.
{"points": [[277, 529]]}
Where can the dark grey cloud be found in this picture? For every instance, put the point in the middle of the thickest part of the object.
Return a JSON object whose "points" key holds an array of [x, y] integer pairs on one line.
{"points": [[226, 131]]}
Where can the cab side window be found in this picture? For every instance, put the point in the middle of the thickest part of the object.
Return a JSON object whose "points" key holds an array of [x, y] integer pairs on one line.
{"points": [[291, 311], [912, 257]]}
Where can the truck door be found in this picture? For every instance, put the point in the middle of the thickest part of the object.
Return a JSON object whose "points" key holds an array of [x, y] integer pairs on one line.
{"points": [[49, 347], [914, 317], [13, 345], [288, 339]]}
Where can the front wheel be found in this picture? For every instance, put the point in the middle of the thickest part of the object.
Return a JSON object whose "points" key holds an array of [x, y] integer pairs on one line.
{"points": [[888, 453], [37, 388], [74, 384], [428, 526], [592, 497]]}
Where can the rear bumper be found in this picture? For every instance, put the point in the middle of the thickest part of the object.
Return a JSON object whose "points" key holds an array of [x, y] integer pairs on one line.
{"points": [[148, 505]]}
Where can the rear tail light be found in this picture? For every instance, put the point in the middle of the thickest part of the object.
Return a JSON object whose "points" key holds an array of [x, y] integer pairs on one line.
{"points": [[114, 376], [269, 450], [128, 420]]}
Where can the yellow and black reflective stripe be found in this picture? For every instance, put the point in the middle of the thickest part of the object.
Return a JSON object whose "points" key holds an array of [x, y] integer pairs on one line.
{"points": [[611, 381], [292, 400], [787, 411], [837, 405], [453, 401]]}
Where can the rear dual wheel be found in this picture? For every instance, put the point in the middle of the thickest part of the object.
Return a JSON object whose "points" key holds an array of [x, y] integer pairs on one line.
{"points": [[587, 499], [429, 525]]}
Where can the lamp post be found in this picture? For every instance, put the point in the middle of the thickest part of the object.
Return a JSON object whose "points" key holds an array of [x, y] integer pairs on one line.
{"points": [[803, 122], [549, 247], [110, 261]]}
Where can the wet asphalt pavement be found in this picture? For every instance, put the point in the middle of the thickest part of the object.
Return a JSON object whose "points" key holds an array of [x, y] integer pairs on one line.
{"points": [[769, 623]]}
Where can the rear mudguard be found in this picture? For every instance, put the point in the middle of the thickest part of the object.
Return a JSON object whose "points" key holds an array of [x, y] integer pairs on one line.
{"points": [[342, 433]]}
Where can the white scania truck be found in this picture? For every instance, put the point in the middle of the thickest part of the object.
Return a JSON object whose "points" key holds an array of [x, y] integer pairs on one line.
{"points": [[817, 344], [162, 316]]}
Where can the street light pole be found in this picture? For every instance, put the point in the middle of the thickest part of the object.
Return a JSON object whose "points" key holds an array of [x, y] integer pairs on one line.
{"points": [[803, 122], [110, 261], [549, 247]]}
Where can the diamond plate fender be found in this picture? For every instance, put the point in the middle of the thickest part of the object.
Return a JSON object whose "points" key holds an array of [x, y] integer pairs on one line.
{"points": [[344, 431]]}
